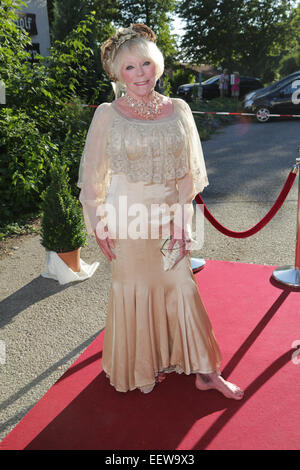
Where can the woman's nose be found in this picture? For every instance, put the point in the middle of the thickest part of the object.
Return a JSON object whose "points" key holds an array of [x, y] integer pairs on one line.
{"points": [[140, 70]]}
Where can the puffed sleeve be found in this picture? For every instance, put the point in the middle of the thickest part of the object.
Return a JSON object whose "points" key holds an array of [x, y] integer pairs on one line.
{"points": [[195, 179], [185, 199], [195, 158], [94, 170]]}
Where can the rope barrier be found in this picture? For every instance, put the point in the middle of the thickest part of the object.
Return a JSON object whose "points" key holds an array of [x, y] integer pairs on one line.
{"points": [[274, 209], [225, 113], [222, 113]]}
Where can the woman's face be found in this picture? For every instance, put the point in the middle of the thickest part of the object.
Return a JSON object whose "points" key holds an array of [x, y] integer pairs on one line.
{"points": [[138, 75]]}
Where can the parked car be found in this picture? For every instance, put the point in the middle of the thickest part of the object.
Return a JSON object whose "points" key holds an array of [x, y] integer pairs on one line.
{"points": [[210, 87], [281, 98], [186, 91], [282, 81]]}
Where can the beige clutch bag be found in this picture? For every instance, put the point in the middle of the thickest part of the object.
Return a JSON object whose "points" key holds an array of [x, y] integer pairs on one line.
{"points": [[170, 258]]}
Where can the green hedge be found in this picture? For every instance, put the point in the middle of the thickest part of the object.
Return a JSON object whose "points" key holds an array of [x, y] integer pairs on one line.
{"points": [[37, 124], [26, 154]]}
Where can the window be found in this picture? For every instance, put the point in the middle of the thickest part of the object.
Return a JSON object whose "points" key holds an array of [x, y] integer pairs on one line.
{"points": [[287, 90]]}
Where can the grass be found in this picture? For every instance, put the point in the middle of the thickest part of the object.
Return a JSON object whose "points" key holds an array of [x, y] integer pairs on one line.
{"points": [[22, 226], [208, 124]]}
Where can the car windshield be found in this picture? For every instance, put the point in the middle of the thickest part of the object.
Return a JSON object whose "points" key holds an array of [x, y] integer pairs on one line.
{"points": [[211, 80], [281, 82]]}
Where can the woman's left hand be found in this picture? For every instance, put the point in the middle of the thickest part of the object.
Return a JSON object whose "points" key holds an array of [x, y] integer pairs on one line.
{"points": [[183, 242]]}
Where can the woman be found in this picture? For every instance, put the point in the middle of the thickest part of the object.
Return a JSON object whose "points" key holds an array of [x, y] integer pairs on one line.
{"points": [[224, 83], [144, 149], [235, 87]]}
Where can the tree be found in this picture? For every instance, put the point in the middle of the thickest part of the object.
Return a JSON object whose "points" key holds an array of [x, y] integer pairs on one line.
{"points": [[111, 14], [290, 61], [266, 34], [66, 16], [14, 65], [37, 124], [23, 149], [155, 14], [50, 12], [249, 34], [69, 17]]}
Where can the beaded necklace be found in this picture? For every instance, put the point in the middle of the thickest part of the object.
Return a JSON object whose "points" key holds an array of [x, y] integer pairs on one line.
{"points": [[149, 110]]}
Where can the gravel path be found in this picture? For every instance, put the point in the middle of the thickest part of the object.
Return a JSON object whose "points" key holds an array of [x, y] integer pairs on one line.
{"points": [[45, 327]]}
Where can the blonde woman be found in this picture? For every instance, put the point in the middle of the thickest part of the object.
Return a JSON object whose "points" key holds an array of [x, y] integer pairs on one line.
{"points": [[143, 149]]}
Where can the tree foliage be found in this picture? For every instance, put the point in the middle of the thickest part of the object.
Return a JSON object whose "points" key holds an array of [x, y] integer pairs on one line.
{"points": [[37, 122], [65, 16], [250, 34], [290, 61], [155, 14], [111, 14], [72, 62]]}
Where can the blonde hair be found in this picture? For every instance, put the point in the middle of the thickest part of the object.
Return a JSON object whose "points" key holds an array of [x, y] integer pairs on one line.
{"points": [[137, 38], [144, 49]]}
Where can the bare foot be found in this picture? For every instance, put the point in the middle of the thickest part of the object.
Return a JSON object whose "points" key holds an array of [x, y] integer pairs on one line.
{"points": [[161, 377], [215, 381]]}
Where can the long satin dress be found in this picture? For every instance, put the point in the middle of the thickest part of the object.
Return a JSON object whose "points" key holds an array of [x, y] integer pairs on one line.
{"points": [[156, 321]]}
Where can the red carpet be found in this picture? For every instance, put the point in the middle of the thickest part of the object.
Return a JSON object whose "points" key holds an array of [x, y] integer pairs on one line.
{"points": [[255, 322]]}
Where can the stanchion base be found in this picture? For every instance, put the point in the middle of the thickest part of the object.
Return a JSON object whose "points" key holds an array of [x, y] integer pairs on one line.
{"points": [[287, 275], [197, 264]]}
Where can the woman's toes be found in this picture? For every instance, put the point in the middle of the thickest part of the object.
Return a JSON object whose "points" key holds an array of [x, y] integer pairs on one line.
{"points": [[215, 381], [161, 377]]}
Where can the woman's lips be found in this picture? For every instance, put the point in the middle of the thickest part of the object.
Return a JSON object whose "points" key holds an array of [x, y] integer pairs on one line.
{"points": [[142, 83]]}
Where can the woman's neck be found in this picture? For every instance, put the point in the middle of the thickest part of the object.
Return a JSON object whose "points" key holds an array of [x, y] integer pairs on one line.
{"points": [[144, 99]]}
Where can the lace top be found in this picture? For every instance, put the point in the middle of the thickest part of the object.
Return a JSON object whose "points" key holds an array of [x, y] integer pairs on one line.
{"points": [[150, 153], [154, 151]]}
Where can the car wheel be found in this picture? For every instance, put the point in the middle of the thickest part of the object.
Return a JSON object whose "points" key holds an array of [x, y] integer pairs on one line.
{"points": [[262, 114]]}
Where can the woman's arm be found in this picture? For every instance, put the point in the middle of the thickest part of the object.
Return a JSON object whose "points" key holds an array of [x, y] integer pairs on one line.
{"points": [[93, 169], [94, 177]]}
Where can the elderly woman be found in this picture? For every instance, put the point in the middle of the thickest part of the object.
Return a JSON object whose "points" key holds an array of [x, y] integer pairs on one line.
{"points": [[143, 150]]}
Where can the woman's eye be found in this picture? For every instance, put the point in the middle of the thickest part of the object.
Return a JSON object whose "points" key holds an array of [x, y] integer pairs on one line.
{"points": [[129, 67]]}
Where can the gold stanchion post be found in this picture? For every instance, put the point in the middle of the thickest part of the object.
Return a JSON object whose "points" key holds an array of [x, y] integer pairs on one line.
{"points": [[197, 264], [290, 275]]}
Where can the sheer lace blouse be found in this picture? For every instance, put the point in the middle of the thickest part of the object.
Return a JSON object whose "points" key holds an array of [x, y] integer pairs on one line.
{"points": [[154, 151]]}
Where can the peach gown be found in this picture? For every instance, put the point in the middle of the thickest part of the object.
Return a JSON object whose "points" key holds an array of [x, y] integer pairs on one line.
{"points": [[156, 321]]}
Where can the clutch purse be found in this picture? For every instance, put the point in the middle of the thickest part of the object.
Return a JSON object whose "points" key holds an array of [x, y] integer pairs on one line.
{"points": [[170, 258]]}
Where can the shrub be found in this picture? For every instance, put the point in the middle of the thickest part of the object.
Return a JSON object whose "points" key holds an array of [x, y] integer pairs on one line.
{"points": [[25, 155], [62, 225], [181, 76], [37, 124]]}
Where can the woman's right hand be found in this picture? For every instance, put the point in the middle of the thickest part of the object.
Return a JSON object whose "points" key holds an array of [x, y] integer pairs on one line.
{"points": [[106, 244]]}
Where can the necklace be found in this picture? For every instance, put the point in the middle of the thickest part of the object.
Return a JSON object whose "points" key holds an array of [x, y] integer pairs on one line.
{"points": [[147, 110]]}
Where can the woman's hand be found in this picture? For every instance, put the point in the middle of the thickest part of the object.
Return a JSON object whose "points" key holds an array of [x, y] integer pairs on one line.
{"points": [[181, 239], [106, 244]]}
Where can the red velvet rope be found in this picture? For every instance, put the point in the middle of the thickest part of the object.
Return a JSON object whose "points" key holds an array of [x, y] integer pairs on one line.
{"points": [[247, 233]]}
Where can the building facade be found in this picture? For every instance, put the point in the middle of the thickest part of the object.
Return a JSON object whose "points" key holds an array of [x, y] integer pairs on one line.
{"points": [[34, 19]]}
